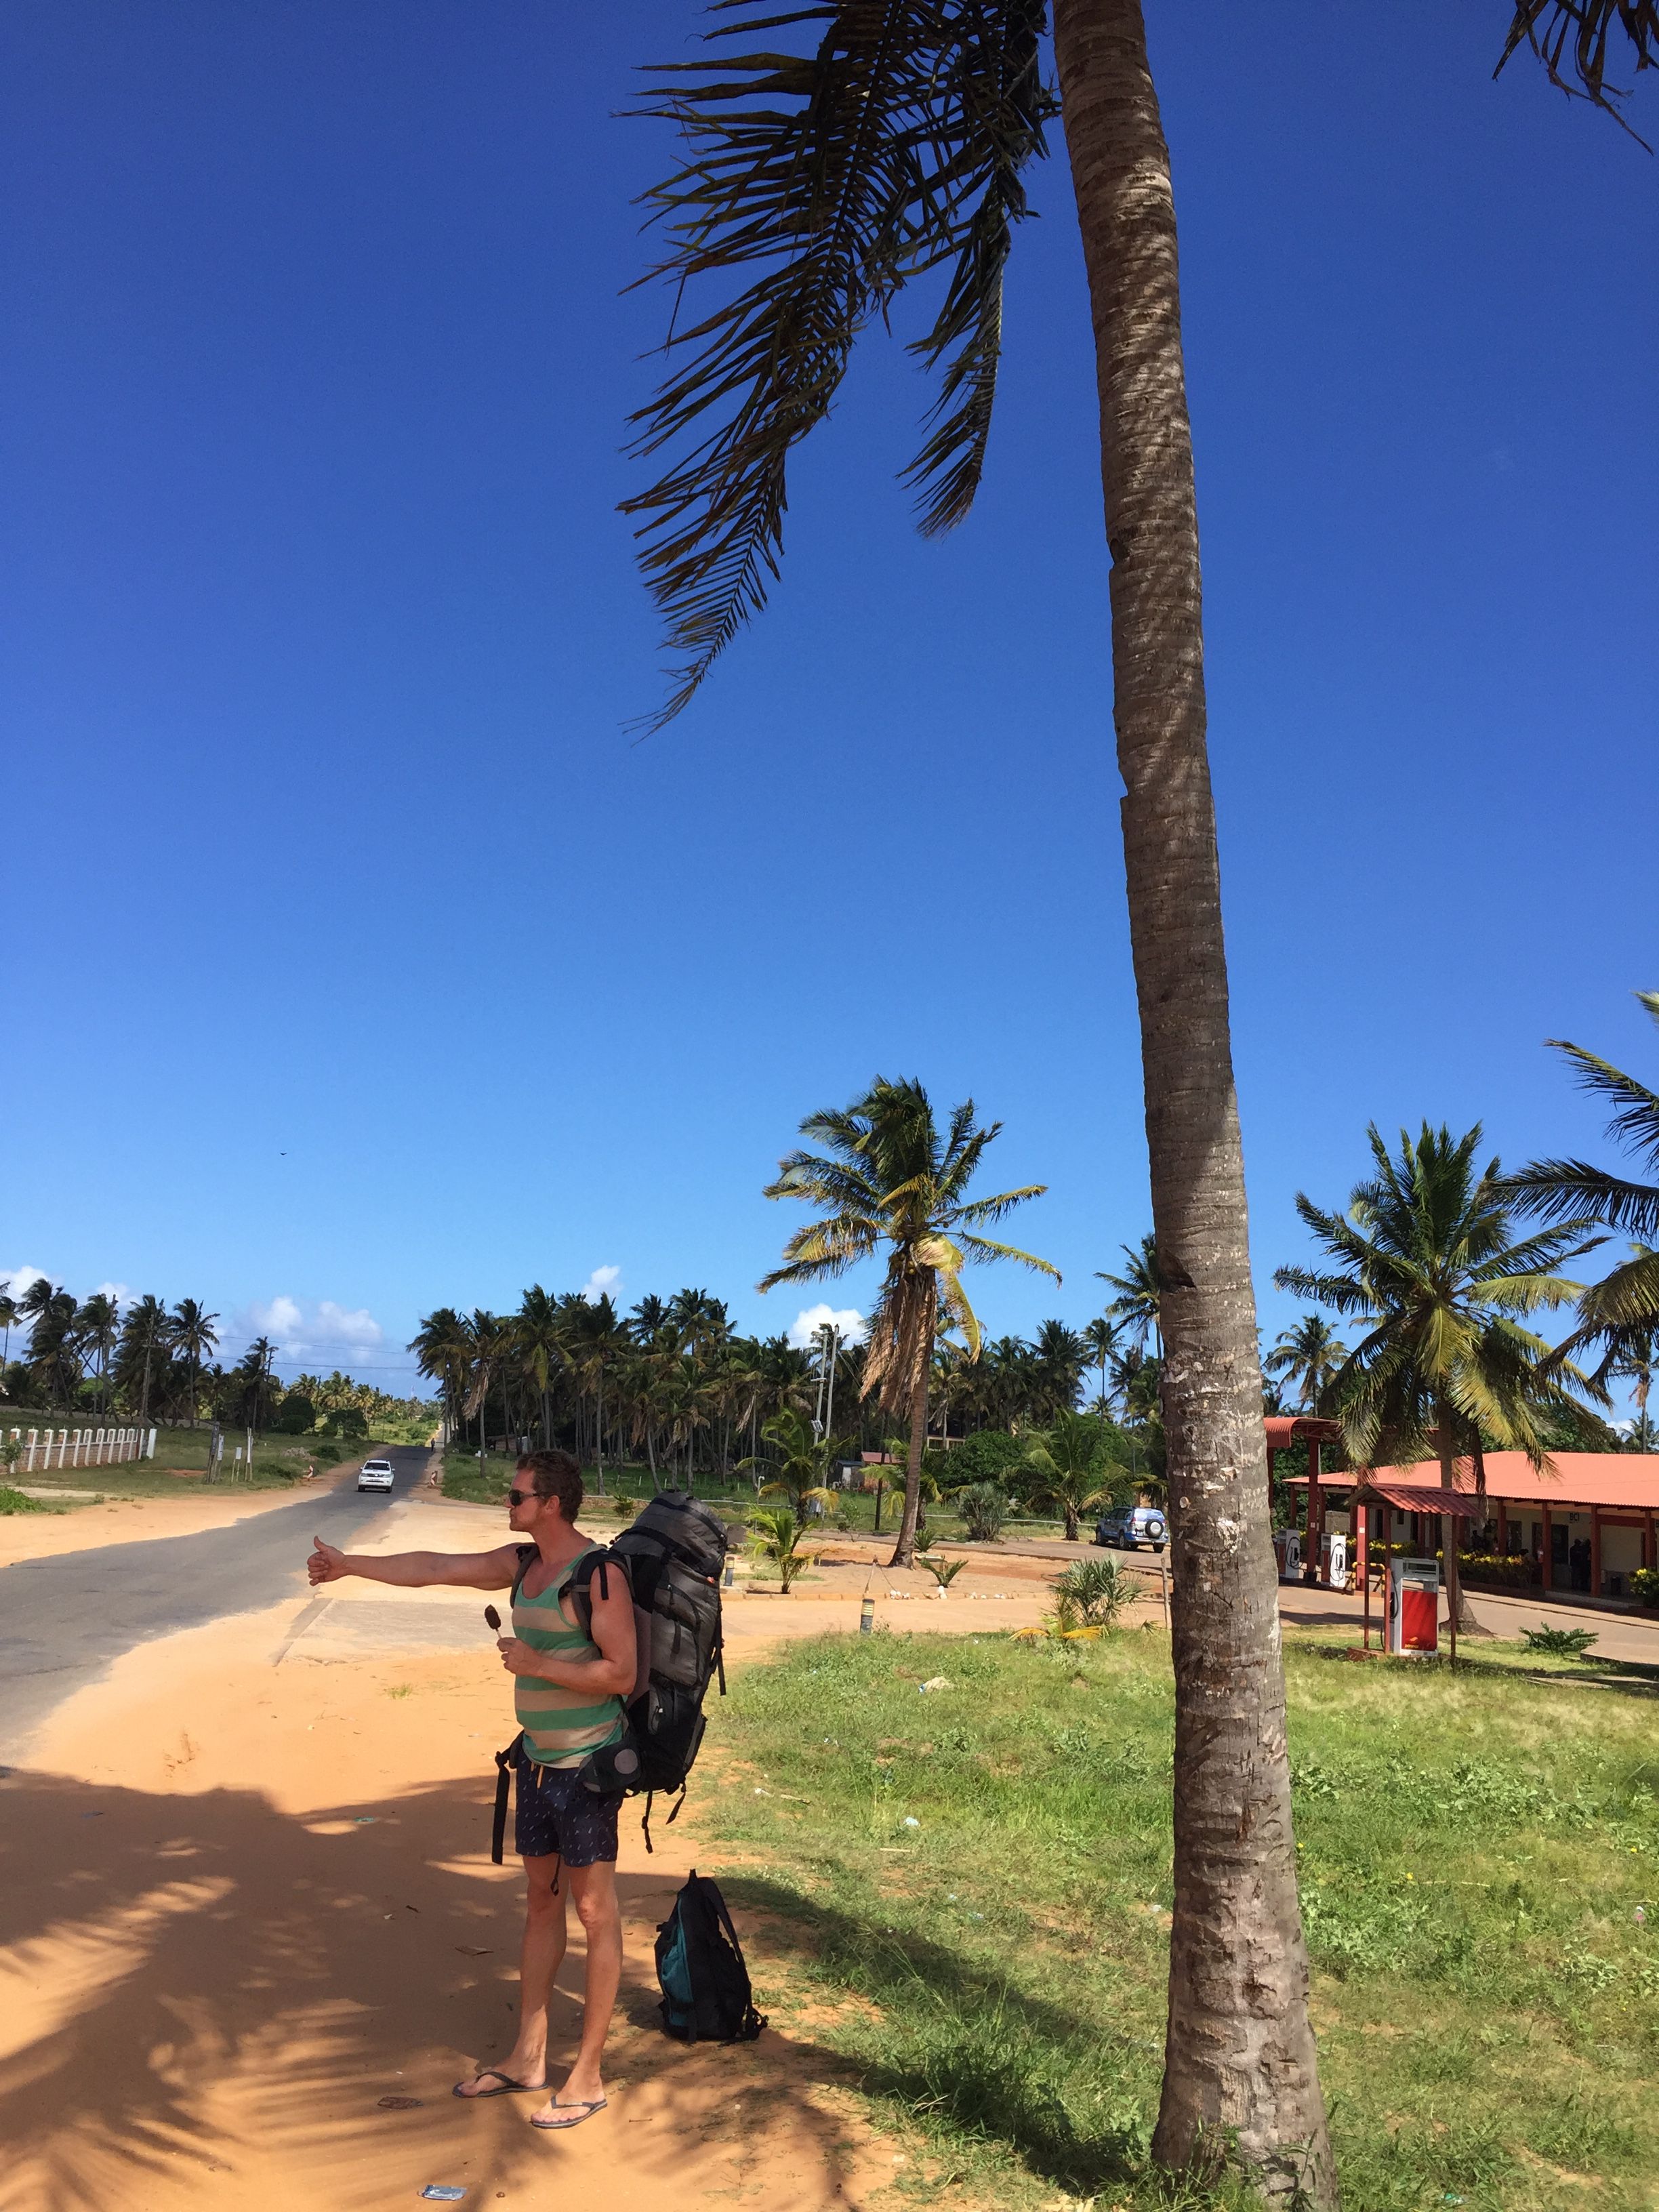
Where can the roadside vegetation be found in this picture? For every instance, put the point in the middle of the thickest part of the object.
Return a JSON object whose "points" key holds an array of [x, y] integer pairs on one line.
{"points": [[965, 1896], [179, 1470]]}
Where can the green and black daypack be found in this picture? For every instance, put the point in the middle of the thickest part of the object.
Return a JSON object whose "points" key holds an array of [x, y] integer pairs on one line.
{"points": [[672, 1559]]}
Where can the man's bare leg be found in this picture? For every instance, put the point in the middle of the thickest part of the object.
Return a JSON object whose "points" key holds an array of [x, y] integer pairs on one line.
{"points": [[594, 1889], [539, 1959]]}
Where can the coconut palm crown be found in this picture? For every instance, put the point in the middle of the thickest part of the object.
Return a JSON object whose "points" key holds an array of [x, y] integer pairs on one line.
{"points": [[888, 1180], [1620, 1315]]}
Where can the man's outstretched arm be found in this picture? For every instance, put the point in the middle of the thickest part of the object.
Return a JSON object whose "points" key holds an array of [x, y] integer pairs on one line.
{"points": [[417, 1570]]}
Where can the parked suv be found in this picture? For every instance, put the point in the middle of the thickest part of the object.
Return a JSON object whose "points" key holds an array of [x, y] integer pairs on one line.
{"points": [[374, 1474], [1127, 1528]]}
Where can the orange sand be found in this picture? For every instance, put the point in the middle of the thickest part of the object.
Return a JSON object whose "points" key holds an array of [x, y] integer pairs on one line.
{"points": [[241, 1903]]}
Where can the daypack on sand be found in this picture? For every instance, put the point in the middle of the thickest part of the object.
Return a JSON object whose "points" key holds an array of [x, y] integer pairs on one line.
{"points": [[706, 1993], [672, 1559]]}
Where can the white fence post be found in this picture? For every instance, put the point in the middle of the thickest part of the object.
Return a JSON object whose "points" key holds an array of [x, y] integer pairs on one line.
{"points": [[150, 1453], [33, 1433]]}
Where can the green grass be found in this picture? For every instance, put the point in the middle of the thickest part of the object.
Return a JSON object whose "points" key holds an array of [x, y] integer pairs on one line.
{"points": [[1473, 1849], [14, 1501], [278, 1463]]}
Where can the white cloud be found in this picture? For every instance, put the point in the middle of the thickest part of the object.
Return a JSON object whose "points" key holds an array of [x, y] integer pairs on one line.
{"points": [[123, 1293], [603, 1283], [358, 1327], [849, 1321], [325, 1333], [17, 1279]]}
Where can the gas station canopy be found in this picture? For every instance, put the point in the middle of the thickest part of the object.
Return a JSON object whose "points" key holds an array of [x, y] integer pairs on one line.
{"points": [[1417, 1497]]}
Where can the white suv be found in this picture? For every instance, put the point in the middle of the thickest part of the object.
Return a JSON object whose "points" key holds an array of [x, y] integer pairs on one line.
{"points": [[375, 1474]]}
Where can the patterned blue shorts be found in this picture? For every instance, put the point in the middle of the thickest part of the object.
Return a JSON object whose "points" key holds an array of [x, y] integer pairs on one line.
{"points": [[555, 1814]]}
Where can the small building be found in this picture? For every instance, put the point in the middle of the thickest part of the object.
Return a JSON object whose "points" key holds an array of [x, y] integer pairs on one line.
{"points": [[1584, 1524]]}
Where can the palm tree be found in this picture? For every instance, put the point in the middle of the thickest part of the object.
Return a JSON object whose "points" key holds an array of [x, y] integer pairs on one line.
{"points": [[146, 1331], [1059, 1354], [194, 1335], [11, 1311], [539, 1328], [55, 1366], [774, 1537], [443, 1348], [1425, 1257], [828, 180], [891, 1181], [796, 1470], [594, 1340], [1309, 1357], [1140, 1291], [1618, 1315], [1100, 1342], [97, 1325], [1635, 1366], [1065, 1462]]}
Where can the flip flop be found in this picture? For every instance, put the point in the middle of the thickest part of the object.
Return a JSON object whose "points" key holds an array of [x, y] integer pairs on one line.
{"points": [[583, 2112], [509, 2086]]}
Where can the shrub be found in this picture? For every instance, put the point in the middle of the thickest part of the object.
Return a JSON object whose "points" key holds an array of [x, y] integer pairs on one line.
{"points": [[1644, 1584], [773, 1539], [296, 1415], [1559, 1643], [988, 1455], [14, 1501], [983, 1508], [1508, 1569], [944, 1571], [1092, 1592]]}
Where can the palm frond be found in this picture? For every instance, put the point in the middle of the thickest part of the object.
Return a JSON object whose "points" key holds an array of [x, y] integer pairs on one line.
{"points": [[1549, 27], [1637, 1122], [1562, 1190], [987, 1247], [896, 148], [1003, 105]]}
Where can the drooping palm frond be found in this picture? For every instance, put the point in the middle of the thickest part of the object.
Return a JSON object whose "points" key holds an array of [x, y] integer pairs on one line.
{"points": [[1570, 38], [894, 147]]}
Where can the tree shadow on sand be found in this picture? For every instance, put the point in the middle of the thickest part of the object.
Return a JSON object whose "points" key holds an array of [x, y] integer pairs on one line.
{"points": [[204, 1981]]}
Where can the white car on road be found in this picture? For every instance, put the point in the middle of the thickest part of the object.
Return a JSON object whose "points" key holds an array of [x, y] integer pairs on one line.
{"points": [[375, 1474]]}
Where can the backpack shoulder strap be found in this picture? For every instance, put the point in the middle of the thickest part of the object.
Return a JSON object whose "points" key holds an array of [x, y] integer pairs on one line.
{"points": [[527, 1553]]}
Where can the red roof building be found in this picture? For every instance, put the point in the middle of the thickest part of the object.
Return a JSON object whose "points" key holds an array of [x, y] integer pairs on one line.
{"points": [[1586, 1522]]}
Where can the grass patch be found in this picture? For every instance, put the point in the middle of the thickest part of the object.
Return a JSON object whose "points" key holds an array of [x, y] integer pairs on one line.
{"points": [[966, 1896], [14, 1501]]}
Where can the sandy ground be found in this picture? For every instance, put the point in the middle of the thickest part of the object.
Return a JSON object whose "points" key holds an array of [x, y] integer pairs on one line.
{"points": [[135, 1520], [246, 1895]]}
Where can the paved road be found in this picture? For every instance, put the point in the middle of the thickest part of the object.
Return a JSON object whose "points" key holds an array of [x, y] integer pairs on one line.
{"points": [[63, 1620]]}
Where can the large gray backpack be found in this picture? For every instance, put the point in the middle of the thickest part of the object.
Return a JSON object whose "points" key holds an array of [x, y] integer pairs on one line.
{"points": [[672, 1558]]}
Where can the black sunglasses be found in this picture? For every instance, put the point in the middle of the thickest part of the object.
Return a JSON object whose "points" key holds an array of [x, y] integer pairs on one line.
{"points": [[522, 1497]]}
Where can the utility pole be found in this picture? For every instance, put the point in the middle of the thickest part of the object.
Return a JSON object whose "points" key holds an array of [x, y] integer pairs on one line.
{"points": [[829, 1341]]}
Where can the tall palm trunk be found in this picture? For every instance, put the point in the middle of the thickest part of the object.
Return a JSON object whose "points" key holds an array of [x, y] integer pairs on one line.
{"points": [[904, 1550], [1240, 2064], [1445, 1449]]}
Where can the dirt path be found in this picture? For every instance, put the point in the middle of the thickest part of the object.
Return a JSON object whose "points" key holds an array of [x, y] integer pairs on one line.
{"points": [[246, 1896]]}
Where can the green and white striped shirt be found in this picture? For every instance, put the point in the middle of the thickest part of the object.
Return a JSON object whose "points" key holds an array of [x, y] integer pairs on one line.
{"points": [[561, 1726]]}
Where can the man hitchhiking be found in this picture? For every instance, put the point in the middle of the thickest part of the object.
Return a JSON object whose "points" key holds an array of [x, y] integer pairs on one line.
{"points": [[570, 1685]]}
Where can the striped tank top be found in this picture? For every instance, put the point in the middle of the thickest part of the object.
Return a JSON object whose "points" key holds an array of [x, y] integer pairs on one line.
{"points": [[561, 1726]]}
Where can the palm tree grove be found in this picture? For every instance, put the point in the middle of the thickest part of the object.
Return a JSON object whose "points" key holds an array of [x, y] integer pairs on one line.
{"points": [[688, 1231]]}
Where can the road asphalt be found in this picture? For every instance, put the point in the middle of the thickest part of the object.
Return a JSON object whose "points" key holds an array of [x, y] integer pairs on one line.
{"points": [[65, 1620]]}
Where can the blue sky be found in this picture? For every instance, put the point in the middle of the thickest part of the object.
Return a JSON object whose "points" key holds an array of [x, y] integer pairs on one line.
{"points": [[356, 957]]}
